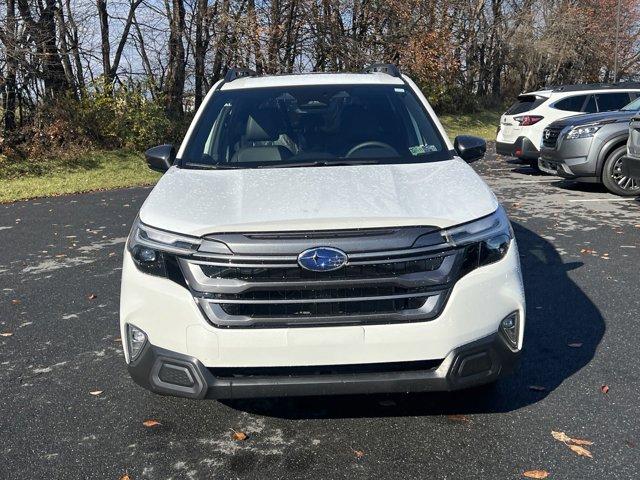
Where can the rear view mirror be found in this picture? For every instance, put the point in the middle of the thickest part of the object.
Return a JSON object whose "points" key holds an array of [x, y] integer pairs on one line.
{"points": [[160, 158], [470, 148]]}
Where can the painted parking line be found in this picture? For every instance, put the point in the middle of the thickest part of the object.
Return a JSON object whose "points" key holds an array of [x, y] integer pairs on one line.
{"points": [[630, 199], [546, 180]]}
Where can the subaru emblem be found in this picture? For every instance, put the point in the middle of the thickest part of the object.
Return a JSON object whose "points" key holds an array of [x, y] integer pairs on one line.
{"points": [[322, 259]]}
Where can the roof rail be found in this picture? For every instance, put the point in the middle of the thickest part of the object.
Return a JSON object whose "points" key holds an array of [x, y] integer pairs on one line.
{"points": [[593, 86], [235, 73], [388, 68]]}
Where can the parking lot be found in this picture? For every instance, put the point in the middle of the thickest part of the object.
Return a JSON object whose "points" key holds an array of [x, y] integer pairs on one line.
{"points": [[59, 279]]}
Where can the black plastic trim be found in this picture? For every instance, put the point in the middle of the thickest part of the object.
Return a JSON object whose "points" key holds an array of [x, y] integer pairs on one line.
{"points": [[235, 73], [388, 68], [476, 363], [631, 167], [529, 150]]}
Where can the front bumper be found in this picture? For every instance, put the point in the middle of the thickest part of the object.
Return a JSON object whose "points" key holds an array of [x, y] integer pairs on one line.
{"points": [[570, 159], [169, 373], [631, 167], [522, 148]]}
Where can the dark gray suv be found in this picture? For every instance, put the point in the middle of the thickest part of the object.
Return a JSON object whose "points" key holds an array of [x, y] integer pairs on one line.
{"points": [[590, 148]]}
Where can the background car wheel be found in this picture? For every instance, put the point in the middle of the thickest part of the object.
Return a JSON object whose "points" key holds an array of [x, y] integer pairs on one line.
{"points": [[612, 176]]}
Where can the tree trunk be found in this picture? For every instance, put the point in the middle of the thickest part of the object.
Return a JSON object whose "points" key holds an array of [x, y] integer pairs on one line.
{"points": [[105, 45], [200, 50], [11, 68], [174, 85]]}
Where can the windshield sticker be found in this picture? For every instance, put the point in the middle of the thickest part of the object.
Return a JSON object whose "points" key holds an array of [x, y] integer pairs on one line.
{"points": [[422, 149], [399, 90]]}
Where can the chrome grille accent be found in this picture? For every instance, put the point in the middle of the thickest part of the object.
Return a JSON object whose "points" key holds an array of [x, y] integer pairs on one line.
{"points": [[551, 139], [386, 279]]}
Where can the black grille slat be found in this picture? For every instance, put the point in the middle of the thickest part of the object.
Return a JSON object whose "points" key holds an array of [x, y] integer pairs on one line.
{"points": [[348, 272], [317, 294], [288, 371]]}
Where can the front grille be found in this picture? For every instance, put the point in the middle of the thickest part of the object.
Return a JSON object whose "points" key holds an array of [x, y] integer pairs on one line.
{"points": [[550, 136], [402, 284], [322, 309]]}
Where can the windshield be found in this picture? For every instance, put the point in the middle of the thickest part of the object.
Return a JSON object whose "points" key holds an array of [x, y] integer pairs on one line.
{"points": [[633, 106], [311, 126]]}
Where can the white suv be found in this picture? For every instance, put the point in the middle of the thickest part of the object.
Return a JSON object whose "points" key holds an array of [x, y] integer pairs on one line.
{"points": [[522, 125], [319, 234]]}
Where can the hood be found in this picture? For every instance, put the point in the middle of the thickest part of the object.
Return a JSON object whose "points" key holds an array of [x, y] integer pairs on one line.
{"points": [[606, 117], [200, 202]]}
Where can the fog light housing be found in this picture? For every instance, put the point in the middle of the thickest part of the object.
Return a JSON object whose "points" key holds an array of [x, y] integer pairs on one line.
{"points": [[510, 328], [136, 340]]}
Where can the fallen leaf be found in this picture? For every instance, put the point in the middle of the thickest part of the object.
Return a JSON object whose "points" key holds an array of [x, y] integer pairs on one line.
{"points": [[560, 436], [575, 345], [125, 477], [151, 423], [92, 296], [604, 388], [580, 441], [6, 334], [458, 418], [15, 301], [575, 444], [536, 474], [239, 436], [537, 388], [581, 451], [358, 453], [95, 393]]}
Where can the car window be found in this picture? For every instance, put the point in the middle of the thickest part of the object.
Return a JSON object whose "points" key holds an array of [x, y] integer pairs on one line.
{"points": [[247, 128], [571, 104], [524, 104], [611, 101], [633, 106], [591, 105]]}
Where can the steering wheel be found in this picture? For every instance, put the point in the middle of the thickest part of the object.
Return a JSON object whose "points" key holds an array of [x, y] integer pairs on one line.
{"points": [[371, 144]]}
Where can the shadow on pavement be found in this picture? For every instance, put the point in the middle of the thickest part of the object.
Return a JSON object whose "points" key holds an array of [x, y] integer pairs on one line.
{"points": [[559, 313]]}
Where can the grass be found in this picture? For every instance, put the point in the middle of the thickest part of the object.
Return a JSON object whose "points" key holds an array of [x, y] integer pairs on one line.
{"points": [[104, 170], [88, 172], [481, 124]]}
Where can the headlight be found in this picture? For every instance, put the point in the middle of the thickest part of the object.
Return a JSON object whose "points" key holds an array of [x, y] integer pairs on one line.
{"points": [[585, 131], [488, 238], [150, 247]]}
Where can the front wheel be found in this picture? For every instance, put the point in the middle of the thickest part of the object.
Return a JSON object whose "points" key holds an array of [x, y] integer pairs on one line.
{"points": [[613, 178]]}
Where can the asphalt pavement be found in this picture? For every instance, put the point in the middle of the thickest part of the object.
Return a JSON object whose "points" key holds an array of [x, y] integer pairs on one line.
{"points": [[59, 288]]}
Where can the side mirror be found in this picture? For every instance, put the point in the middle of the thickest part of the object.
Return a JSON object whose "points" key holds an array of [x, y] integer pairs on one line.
{"points": [[160, 158], [470, 148]]}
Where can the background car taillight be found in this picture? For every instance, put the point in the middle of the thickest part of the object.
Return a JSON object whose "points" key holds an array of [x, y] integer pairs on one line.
{"points": [[526, 120]]}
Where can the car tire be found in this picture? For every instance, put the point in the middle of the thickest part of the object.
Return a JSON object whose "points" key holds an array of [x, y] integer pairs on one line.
{"points": [[533, 164], [612, 176]]}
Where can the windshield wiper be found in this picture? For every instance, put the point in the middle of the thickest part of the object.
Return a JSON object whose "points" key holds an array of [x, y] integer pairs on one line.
{"points": [[320, 163], [316, 163]]}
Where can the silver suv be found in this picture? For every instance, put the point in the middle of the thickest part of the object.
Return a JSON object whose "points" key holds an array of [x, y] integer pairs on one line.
{"points": [[631, 163], [590, 148]]}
